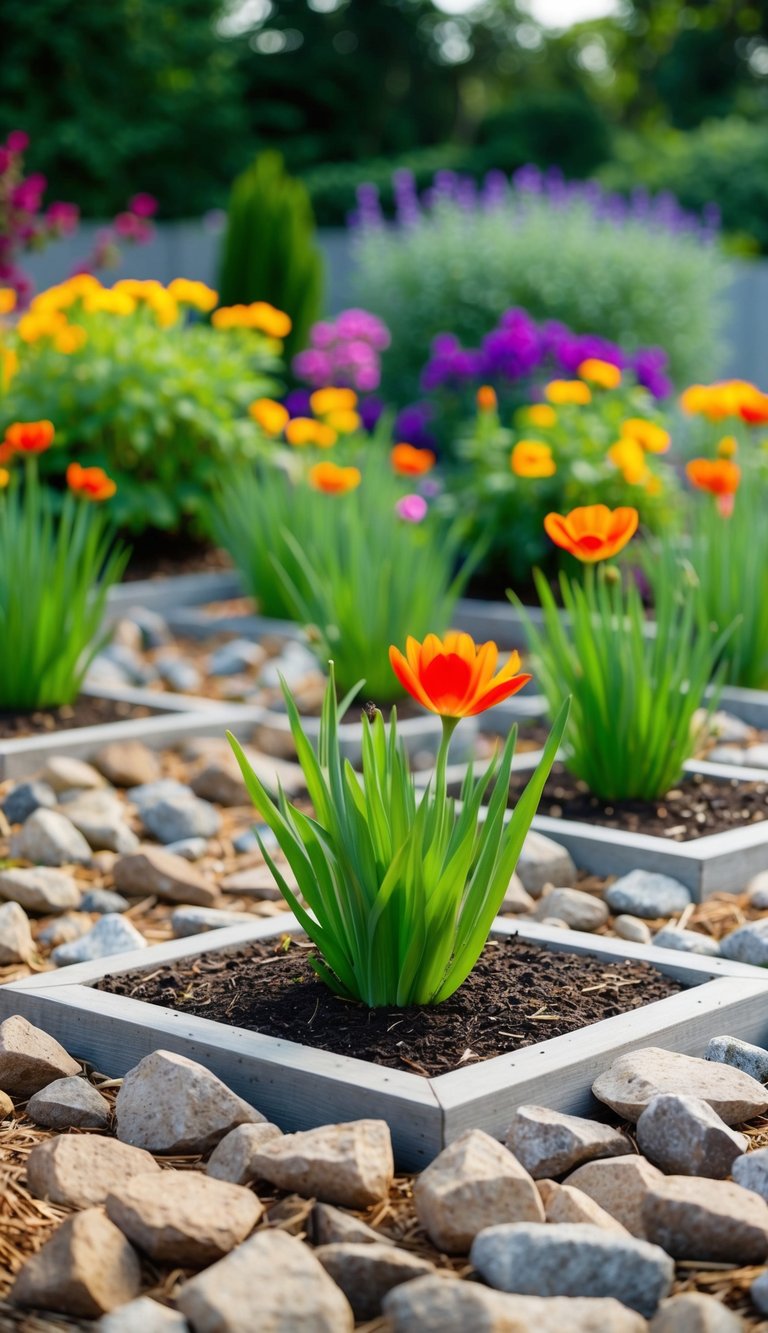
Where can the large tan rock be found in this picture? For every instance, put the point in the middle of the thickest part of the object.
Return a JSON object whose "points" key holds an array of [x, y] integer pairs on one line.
{"points": [[79, 1170], [349, 1164], [153, 870], [637, 1077], [717, 1220], [365, 1273], [232, 1158], [434, 1305], [127, 763], [472, 1184], [549, 1143], [169, 1104], [69, 1103], [84, 1270], [619, 1185], [272, 1282], [693, 1312], [565, 1203], [189, 1219], [29, 1058]]}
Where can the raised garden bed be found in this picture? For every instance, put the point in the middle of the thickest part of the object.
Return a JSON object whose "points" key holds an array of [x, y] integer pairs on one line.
{"points": [[299, 1086]]}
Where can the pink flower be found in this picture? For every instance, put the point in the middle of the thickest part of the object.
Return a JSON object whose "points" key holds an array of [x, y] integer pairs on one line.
{"points": [[143, 205], [412, 508], [63, 217], [17, 141], [28, 193]]}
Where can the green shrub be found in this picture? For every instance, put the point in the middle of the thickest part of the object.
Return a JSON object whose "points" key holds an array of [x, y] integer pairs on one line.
{"points": [[559, 251], [269, 249]]}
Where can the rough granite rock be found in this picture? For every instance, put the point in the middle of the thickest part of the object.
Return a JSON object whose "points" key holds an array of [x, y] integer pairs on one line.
{"points": [[748, 944], [752, 1060], [350, 1164], [232, 1158], [69, 1103], [471, 1184], [693, 1312], [579, 910], [683, 1136], [29, 1058], [127, 763], [63, 773], [647, 894], [619, 1185], [543, 861], [186, 921], [49, 839], [84, 1270], [517, 899], [365, 1273], [176, 817], [759, 1293], [100, 817], [294, 1292], [566, 1203], [329, 1226], [169, 1104], [751, 1171], [717, 1220], [40, 889], [153, 870], [189, 1220], [79, 1170], [686, 941], [535, 1259], [24, 798], [434, 1305], [111, 934], [16, 943], [549, 1143], [634, 1079], [143, 1316]]}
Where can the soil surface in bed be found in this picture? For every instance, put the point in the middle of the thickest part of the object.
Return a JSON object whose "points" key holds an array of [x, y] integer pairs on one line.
{"points": [[86, 711], [518, 994], [699, 807]]}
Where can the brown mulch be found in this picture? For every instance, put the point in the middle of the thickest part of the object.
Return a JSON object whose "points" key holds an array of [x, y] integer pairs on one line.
{"points": [[87, 711]]}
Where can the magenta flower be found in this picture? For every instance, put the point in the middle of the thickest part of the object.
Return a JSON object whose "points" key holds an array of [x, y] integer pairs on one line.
{"points": [[143, 205], [412, 508], [17, 141]]}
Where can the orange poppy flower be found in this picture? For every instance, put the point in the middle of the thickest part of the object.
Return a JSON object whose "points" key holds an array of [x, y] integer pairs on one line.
{"points": [[753, 408], [719, 476], [334, 480], [454, 676], [486, 398], [602, 373], [654, 439], [532, 458], [271, 416], [593, 532], [410, 462], [30, 437], [567, 391], [92, 483]]}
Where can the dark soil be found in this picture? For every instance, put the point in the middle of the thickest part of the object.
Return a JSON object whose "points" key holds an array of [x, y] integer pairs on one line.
{"points": [[700, 806], [160, 555], [518, 994], [84, 712]]}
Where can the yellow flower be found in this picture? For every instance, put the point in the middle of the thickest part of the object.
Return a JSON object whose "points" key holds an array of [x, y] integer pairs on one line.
{"points": [[198, 294], [344, 421], [108, 300], [5, 477], [9, 364], [727, 447], [7, 300], [628, 456], [567, 391], [324, 401], [305, 430], [602, 373], [654, 439], [532, 458], [259, 315], [271, 416], [43, 324], [70, 339], [540, 415], [654, 484]]}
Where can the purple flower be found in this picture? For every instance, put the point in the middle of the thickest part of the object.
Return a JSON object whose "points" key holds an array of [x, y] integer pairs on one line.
{"points": [[412, 508]]}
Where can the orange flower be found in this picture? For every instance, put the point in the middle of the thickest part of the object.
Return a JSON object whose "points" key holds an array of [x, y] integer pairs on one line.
{"points": [[345, 421], [654, 439], [7, 300], [271, 416], [602, 373], [305, 430], [532, 458], [454, 676], [627, 455], [540, 415], [568, 391], [92, 483], [593, 532], [754, 408], [69, 340], [30, 437], [719, 476], [5, 477], [486, 398], [6, 452], [334, 480], [323, 401], [410, 462]]}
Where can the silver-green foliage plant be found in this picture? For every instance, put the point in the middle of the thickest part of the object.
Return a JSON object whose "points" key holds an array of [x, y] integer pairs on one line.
{"points": [[400, 886]]}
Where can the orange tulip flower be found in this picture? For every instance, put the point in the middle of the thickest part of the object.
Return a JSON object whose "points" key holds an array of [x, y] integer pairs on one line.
{"points": [[532, 458], [602, 373], [593, 532], [92, 483], [271, 416], [334, 480], [719, 476], [30, 437], [454, 676], [410, 462], [486, 398]]}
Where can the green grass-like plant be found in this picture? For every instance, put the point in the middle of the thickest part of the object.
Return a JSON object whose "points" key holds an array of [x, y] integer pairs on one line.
{"points": [[401, 886]]}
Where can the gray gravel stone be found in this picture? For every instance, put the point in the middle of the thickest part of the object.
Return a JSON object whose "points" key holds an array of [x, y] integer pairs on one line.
{"points": [[190, 849], [233, 1158], [103, 901], [100, 817], [236, 656], [757, 891], [471, 1184], [156, 870], [329, 1226], [693, 1312], [645, 893], [751, 1172], [69, 1103], [127, 763], [748, 944], [169, 1104], [147, 793], [538, 1259], [683, 1136], [178, 817], [710, 1220], [64, 773], [40, 889], [365, 1273], [549, 1143], [686, 941], [543, 861], [152, 626], [111, 935], [187, 921], [25, 798], [432, 1305], [64, 928], [619, 1186], [16, 943], [755, 756], [752, 1060], [632, 928], [48, 838], [179, 675], [349, 1164], [759, 1293], [143, 1316], [635, 1078], [580, 911]]}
